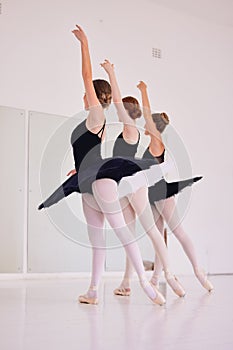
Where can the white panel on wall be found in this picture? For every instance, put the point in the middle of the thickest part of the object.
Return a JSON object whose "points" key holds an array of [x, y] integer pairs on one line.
{"points": [[12, 188], [57, 236]]}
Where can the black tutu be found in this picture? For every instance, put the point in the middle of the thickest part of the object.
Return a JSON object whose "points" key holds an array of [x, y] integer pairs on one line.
{"points": [[163, 189], [113, 168]]}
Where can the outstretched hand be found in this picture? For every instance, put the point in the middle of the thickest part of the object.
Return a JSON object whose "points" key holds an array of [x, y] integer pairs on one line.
{"points": [[107, 66], [80, 34], [142, 86]]}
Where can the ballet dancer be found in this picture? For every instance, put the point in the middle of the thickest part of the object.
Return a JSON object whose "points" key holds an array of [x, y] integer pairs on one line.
{"points": [[139, 200], [161, 197], [97, 180]]}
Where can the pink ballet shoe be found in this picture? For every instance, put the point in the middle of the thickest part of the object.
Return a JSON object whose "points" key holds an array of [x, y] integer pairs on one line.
{"points": [[202, 278], [159, 300], [122, 291], [86, 299], [174, 284]]}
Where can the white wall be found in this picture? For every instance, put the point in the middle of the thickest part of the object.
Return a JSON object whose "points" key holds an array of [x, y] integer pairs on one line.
{"points": [[40, 71]]}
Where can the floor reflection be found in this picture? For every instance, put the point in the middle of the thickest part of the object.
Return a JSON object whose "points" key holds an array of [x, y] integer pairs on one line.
{"points": [[45, 314]]}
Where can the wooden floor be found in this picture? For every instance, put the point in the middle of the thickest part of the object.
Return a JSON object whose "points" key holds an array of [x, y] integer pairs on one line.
{"points": [[44, 314]]}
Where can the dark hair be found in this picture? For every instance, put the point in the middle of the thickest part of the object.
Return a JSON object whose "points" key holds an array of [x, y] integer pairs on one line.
{"points": [[103, 92], [132, 106], [161, 120]]}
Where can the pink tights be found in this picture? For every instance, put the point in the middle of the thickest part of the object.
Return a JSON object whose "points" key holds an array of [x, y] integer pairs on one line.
{"points": [[105, 203]]}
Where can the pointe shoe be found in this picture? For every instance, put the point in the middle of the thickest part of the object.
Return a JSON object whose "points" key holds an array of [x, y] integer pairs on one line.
{"points": [[202, 278], [174, 284], [122, 291], [85, 299], [159, 300]]}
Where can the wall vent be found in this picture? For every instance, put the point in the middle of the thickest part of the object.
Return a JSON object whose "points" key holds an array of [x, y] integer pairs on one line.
{"points": [[156, 53]]}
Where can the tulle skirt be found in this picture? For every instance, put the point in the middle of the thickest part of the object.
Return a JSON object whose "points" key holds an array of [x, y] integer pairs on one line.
{"points": [[113, 168], [163, 189]]}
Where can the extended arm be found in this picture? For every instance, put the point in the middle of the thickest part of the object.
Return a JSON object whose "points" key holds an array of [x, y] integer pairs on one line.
{"points": [[130, 131], [150, 125], [96, 115]]}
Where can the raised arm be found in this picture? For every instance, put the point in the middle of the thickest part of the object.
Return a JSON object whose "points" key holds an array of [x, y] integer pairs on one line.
{"points": [[150, 125], [130, 131], [96, 115]]}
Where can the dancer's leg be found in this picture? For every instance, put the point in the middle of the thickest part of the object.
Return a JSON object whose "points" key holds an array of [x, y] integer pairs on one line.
{"points": [[95, 225], [142, 207], [170, 214], [130, 220], [157, 265], [106, 195]]}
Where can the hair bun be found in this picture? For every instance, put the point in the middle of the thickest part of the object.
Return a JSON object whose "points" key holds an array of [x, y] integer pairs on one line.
{"points": [[161, 120], [165, 117], [132, 106], [103, 92]]}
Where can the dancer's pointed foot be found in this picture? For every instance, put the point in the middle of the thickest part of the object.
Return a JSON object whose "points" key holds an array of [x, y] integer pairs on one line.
{"points": [[122, 291], [90, 297], [202, 277], [152, 292], [85, 299], [174, 284], [160, 300]]}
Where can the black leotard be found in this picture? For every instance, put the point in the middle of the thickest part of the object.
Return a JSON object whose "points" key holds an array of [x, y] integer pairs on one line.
{"points": [[86, 145], [158, 159], [123, 149]]}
